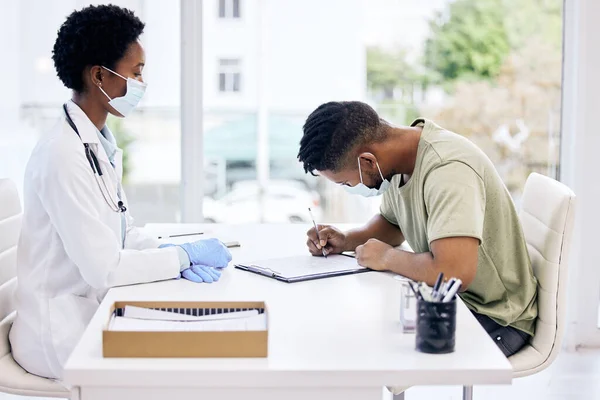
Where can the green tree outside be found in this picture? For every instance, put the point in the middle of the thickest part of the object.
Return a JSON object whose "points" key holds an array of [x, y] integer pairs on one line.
{"points": [[534, 19], [469, 40], [500, 64], [390, 72]]}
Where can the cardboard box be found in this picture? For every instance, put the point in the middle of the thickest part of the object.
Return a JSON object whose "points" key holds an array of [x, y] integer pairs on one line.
{"points": [[186, 344]]}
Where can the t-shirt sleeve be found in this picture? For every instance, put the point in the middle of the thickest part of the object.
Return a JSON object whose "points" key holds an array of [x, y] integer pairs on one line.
{"points": [[386, 209], [455, 200]]}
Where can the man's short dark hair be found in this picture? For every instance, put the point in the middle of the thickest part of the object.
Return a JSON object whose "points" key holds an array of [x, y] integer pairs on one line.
{"points": [[95, 35], [332, 130]]}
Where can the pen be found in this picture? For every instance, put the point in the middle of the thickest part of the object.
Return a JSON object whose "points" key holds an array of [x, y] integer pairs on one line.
{"points": [[258, 270], [448, 286], [317, 231], [438, 282], [261, 271], [424, 294], [441, 291], [452, 291], [182, 234], [417, 295], [436, 287]]}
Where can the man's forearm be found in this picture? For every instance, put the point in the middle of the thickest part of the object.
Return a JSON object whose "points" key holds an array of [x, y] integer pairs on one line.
{"points": [[423, 267], [377, 228], [419, 267]]}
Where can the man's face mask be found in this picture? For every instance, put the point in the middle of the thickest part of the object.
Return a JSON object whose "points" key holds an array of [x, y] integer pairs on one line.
{"points": [[364, 190]]}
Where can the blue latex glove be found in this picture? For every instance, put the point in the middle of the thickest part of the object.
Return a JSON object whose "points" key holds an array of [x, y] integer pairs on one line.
{"points": [[194, 273], [201, 273], [207, 252]]}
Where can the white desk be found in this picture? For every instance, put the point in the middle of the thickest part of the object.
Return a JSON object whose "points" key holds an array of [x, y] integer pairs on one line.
{"points": [[335, 338]]}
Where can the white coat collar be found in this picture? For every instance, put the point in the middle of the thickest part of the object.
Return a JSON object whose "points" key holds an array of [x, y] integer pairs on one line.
{"points": [[89, 134], [87, 130]]}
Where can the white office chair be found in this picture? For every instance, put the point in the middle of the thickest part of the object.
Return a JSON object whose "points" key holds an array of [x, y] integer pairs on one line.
{"points": [[547, 215], [13, 378]]}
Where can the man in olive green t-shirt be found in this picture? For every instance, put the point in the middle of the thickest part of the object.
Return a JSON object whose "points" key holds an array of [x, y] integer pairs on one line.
{"points": [[442, 195]]}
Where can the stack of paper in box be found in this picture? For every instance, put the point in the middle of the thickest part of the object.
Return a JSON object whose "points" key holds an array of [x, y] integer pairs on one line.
{"points": [[138, 319]]}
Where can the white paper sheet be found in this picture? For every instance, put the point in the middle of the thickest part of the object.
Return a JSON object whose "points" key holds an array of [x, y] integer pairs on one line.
{"points": [[255, 323], [290, 267], [147, 313]]}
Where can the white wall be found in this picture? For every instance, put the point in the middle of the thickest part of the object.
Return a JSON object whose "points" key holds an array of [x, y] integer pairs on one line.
{"points": [[230, 38], [308, 61], [11, 147], [317, 53], [9, 68]]}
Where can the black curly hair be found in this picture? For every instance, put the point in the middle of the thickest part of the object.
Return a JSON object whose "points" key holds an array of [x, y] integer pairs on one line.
{"points": [[335, 128], [95, 35]]}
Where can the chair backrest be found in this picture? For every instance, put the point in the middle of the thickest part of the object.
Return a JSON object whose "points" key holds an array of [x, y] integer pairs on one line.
{"points": [[10, 227], [547, 215]]}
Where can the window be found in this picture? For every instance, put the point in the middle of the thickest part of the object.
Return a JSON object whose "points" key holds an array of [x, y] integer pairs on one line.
{"points": [[229, 75], [499, 86], [229, 8], [474, 67]]}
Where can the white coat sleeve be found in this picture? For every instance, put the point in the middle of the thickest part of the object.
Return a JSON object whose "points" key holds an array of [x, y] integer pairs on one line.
{"points": [[70, 196]]}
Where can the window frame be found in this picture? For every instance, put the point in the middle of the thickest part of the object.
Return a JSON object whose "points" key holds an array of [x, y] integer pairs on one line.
{"points": [[579, 162]]}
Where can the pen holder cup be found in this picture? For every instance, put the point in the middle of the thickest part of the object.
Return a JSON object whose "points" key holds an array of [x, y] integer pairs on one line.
{"points": [[436, 326]]}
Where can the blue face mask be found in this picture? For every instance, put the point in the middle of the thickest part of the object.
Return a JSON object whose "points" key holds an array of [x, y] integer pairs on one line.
{"points": [[363, 190], [124, 105]]}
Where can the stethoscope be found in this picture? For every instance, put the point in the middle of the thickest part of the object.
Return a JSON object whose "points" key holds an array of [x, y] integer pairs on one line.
{"points": [[116, 206]]}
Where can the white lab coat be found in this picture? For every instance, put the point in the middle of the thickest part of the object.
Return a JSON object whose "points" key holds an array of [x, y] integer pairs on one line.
{"points": [[70, 251]]}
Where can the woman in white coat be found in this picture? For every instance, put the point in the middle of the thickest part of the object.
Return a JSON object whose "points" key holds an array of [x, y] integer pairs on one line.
{"points": [[77, 237]]}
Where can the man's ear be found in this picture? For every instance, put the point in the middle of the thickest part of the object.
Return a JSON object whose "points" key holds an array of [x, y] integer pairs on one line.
{"points": [[367, 161]]}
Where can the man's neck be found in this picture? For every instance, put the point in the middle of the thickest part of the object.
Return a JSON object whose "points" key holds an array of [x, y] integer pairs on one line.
{"points": [[401, 148], [94, 111]]}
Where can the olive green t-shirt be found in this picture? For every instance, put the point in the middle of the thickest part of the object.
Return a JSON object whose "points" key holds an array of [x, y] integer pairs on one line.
{"points": [[456, 191]]}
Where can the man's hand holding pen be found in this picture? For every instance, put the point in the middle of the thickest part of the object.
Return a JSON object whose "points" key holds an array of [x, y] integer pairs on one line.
{"points": [[332, 240]]}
